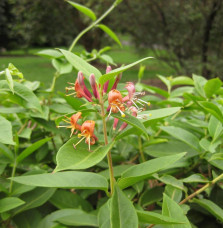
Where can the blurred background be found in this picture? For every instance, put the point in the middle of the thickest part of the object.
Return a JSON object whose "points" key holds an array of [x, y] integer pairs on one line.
{"points": [[185, 36]]}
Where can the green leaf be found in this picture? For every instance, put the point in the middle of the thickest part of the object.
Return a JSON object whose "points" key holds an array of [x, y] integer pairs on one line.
{"points": [[117, 170], [50, 220], [107, 30], [212, 108], [70, 179], [211, 207], [170, 180], [155, 218], [195, 178], [153, 89], [29, 150], [65, 199], [171, 209], [81, 65], [123, 213], [6, 136], [108, 59], [62, 67], [35, 198], [182, 80], [144, 170], [14, 71], [174, 193], [83, 9], [104, 215], [166, 81], [212, 86], [183, 135], [119, 70], [150, 196], [9, 79], [214, 128], [50, 53], [6, 151], [23, 92], [81, 157], [9, 203], [133, 121], [78, 218], [150, 116], [199, 83]]}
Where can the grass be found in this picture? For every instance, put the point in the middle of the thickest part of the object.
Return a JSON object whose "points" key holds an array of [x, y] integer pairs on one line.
{"points": [[40, 69]]}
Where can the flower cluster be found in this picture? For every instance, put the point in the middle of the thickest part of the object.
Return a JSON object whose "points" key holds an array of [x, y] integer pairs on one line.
{"points": [[131, 103]]}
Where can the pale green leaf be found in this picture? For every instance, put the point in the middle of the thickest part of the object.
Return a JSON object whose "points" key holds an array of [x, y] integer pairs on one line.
{"points": [[81, 65], [146, 169], [6, 136], [107, 30], [9, 203], [119, 70], [70, 179], [88, 12], [123, 213], [81, 157]]}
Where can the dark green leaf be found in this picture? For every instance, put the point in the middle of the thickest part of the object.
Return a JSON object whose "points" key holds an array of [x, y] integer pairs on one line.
{"points": [[29, 150], [213, 208], [35, 198]]}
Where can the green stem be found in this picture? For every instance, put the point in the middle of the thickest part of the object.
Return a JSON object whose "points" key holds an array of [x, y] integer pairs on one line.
{"points": [[111, 172], [92, 25], [201, 189], [141, 149], [56, 75], [12, 175]]}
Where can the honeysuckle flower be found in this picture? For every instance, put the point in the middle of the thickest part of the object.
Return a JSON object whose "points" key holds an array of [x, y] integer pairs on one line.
{"points": [[132, 97], [94, 86], [80, 79], [73, 122], [87, 133], [105, 87], [115, 102]]}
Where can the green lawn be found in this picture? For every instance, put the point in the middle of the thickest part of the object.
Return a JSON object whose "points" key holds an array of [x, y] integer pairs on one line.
{"points": [[40, 69]]}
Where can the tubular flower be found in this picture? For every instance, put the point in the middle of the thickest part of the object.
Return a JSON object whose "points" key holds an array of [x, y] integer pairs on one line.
{"points": [[87, 133], [73, 122], [132, 97], [105, 87], [115, 102]]}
